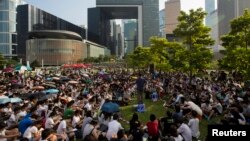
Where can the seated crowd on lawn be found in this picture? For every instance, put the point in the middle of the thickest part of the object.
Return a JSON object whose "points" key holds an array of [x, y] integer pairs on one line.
{"points": [[75, 111]]}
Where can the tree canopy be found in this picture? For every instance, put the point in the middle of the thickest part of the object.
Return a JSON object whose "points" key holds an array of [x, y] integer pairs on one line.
{"points": [[236, 43], [195, 39]]}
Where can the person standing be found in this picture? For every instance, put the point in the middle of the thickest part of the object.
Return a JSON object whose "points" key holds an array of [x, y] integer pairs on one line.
{"points": [[140, 83]]}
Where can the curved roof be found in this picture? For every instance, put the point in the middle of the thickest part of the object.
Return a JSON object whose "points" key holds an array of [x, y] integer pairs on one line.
{"points": [[54, 34]]}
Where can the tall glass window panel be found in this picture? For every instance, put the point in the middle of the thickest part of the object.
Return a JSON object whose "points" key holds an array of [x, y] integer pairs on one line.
{"points": [[4, 4], [4, 27], [4, 15], [4, 49], [4, 38]]}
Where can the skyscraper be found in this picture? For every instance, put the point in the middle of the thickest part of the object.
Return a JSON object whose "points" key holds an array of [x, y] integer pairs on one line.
{"points": [[172, 9], [212, 21], [8, 34], [162, 22], [227, 11], [130, 35], [145, 11]]}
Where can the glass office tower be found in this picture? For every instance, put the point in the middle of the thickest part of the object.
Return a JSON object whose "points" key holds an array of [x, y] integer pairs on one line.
{"points": [[8, 34]]}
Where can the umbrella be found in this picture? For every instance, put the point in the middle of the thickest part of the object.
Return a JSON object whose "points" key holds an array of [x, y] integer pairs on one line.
{"points": [[23, 68], [65, 79], [51, 91], [86, 75], [53, 83], [110, 107], [47, 97], [55, 78], [12, 100], [49, 85], [49, 79], [4, 100], [73, 82], [15, 100], [38, 88], [37, 95], [66, 65]]}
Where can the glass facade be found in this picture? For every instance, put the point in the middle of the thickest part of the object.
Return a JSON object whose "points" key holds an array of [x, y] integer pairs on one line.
{"points": [[30, 18], [98, 17], [8, 27], [55, 51]]}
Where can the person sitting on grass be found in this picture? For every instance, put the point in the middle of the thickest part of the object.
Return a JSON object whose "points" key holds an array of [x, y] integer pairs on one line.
{"points": [[188, 106], [184, 130], [194, 126], [153, 128]]}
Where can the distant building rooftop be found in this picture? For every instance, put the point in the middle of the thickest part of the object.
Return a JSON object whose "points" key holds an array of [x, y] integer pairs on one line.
{"points": [[54, 34]]}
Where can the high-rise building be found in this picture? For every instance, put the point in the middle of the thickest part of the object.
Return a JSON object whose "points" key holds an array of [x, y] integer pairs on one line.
{"points": [[172, 9], [8, 34], [145, 11], [30, 18], [130, 35], [162, 23], [212, 21], [227, 11]]}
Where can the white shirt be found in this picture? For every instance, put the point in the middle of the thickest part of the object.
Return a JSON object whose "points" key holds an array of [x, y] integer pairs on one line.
{"points": [[185, 131], [87, 129], [12, 120], [21, 114], [194, 107], [61, 127], [179, 138], [113, 127], [75, 120], [49, 123], [88, 107], [86, 121], [194, 126], [29, 132]]}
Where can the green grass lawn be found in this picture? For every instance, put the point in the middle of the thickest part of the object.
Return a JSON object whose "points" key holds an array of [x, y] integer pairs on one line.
{"points": [[157, 109]]}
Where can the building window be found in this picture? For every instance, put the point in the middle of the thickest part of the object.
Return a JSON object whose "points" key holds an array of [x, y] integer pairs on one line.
{"points": [[4, 27], [4, 15], [4, 38], [4, 49], [4, 4]]}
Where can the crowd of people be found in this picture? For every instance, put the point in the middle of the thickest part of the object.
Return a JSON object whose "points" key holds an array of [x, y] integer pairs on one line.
{"points": [[74, 110]]}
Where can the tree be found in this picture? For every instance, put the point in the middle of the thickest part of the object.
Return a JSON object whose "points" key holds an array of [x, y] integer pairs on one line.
{"points": [[236, 42], [2, 61], [140, 57], [195, 38], [159, 53], [35, 64]]}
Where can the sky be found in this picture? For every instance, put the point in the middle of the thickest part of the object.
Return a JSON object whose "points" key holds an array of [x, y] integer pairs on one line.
{"points": [[75, 11]]}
